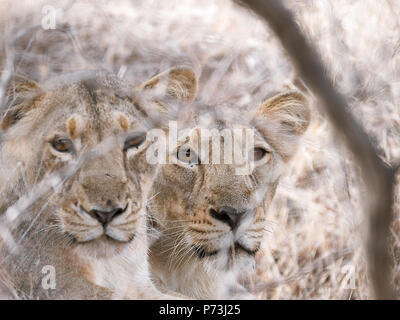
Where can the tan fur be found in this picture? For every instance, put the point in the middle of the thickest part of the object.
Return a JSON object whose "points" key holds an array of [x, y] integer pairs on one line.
{"points": [[94, 110], [179, 83], [197, 255]]}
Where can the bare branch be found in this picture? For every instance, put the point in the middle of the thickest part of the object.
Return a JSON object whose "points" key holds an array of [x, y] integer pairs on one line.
{"points": [[378, 178]]}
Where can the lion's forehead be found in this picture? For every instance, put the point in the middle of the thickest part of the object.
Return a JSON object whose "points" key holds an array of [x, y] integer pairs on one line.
{"points": [[111, 122], [218, 137], [77, 116]]}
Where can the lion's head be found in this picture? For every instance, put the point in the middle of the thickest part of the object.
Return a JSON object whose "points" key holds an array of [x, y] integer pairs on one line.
{"points": [[88, 130], [212, 211]]}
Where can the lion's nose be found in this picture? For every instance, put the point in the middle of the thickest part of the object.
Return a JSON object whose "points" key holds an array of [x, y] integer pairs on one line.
{"points": [[105, 217], [228, 215]]}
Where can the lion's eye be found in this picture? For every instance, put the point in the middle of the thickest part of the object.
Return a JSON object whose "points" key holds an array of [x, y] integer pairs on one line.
{"points": [[135, 140], [259, 153], [62, 145], [186, 155]]}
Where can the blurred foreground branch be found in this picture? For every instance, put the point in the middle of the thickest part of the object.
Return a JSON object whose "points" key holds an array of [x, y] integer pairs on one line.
{"points": [[378, 177]]}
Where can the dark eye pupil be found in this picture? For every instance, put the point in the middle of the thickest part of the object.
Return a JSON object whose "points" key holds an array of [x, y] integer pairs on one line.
{"points": [[186, 155], [62, 145], [135, 141], [259, 153]]}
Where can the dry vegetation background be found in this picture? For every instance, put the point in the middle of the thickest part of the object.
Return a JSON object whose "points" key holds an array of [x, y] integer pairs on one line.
{"points": [[315, 245]]}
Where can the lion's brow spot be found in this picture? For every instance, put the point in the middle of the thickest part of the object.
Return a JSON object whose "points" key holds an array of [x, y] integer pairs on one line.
{"points": [[72, 127], [123, 122]]}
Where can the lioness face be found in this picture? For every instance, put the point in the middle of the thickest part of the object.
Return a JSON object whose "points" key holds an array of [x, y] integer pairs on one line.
{"points": [[214, 211], [91, 134], [101, 200]]}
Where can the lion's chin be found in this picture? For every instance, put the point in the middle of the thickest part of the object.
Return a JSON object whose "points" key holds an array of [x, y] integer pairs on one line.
{"points": [[240, 248], [110, 238], [103, 246], [225, 260], [235, 258], [235, 249]]}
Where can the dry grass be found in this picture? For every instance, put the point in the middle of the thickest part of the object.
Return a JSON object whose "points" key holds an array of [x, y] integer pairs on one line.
{"points": [[315, 248]]}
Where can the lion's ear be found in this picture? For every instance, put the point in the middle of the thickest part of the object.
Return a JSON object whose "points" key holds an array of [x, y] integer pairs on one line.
{"points": [[19, 91], [179, 83], [290, 109], [282, 119]]}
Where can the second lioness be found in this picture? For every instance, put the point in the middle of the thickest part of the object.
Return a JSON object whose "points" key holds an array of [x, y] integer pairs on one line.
{"points": [[211, 217]]}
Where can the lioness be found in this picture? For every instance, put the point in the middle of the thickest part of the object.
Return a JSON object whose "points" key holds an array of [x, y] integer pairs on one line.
{"points": [[73, 189], [212, 217]]}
